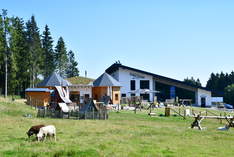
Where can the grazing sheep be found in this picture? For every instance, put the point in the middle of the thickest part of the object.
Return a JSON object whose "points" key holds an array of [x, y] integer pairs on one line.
{"points": [[48, 130], [34, 130]]}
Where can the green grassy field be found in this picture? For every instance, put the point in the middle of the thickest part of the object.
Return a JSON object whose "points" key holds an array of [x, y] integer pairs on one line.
{"points": [[124, 134]]}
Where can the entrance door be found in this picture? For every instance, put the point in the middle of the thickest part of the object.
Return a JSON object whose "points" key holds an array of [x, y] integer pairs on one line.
{"points": [[203, 102]]}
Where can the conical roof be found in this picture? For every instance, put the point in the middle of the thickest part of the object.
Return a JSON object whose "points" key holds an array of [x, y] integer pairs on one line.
{"points": [[105, 80], [54, 80]]}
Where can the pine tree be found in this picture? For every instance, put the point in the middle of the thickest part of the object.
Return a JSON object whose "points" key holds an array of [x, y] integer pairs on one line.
{"points": [[212, 82], [192, 82], [20, 55], [1, 54], [61, 57], [5, 54], [48, 53], [72, 69], [35, 49]]}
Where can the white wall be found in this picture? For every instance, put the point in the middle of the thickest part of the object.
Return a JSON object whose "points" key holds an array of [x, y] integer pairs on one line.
{"points": [[203, 93], [83, 89], [124, 76], [216, 99]]}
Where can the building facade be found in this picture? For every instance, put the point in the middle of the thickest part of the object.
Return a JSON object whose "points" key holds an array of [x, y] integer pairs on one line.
{"points": [[135, 82]]}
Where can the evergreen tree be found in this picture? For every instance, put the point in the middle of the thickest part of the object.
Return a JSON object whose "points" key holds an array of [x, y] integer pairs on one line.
{"points": [[61, 57], [48, 53], [193, 82], [231, 77], [24, 56], [72, 69], [20, 54], [35, 49], [221, 84], [212, 82], [2, 52], [5, 51]]}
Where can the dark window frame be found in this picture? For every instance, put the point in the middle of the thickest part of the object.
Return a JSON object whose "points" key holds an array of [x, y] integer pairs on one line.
{"points": [[143, 84], [123, 95], [132, 84]]}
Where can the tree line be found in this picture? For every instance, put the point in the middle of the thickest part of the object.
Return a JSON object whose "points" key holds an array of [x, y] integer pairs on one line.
{"points": [[222, 84], [26, 55]]}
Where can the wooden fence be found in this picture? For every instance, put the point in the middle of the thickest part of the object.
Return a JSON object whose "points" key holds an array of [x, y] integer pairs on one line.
{"points": [[102, 115]]}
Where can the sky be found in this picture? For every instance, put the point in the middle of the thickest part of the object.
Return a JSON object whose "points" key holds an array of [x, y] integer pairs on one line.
{"points": [[176, 39]]}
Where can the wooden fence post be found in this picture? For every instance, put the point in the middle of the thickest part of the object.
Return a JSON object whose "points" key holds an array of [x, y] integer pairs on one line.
{"points": [[184, 113], [220, 118]]}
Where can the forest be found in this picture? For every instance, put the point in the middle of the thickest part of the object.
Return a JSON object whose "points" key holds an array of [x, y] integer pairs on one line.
{"points": [[27, 56]]}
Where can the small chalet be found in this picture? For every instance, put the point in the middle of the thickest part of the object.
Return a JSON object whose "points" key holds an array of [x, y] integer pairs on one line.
{"points": [[106, 86]]}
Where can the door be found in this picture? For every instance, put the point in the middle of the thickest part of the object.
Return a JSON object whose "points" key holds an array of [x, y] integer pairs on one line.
{"points": [[203, 102]]}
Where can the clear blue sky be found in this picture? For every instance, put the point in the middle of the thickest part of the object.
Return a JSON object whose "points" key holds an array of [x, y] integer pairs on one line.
{"points": [[171, 38]]}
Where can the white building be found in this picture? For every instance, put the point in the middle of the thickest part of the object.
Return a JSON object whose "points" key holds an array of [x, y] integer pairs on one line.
{"points": [[135, 81]]}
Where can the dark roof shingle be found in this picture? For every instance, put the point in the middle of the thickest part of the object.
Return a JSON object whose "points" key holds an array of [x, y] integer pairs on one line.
{"points": [[54, 80], [105, 80]]}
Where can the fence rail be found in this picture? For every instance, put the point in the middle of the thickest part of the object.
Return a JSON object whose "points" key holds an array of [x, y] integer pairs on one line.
{"points": [[102, 115]]}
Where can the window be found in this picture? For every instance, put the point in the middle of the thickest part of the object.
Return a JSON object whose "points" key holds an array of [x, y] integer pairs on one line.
{"points": [[144, 84], [133, 85], [145, 96], [133, 94], [75, 97], [123, 95], [116, 97], [87, 96]]}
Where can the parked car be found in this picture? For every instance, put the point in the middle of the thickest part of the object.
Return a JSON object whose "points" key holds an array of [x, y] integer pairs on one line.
{"points": [[228, 106]]}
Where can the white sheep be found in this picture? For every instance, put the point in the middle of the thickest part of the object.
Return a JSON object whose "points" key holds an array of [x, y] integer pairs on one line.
{"points": [[48, 130]]}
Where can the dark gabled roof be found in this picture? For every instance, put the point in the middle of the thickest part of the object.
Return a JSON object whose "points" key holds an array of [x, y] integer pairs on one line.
{"points": [[105, 80], [114, 67], [54, 80]]}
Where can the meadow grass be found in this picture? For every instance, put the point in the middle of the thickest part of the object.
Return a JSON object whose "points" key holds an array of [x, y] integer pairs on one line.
{"points": [[123, 134]]}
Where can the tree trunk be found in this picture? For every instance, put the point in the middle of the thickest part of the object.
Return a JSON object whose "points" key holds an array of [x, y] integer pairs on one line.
{"points": [[6, 71]]}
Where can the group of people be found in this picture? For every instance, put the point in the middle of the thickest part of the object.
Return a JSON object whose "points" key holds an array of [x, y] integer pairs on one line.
{"points": [[42, 131]]}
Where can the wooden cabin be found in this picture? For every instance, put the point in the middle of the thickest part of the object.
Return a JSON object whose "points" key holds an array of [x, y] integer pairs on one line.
{"points": [[104, 86], [38, 96], [52, 90]]}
